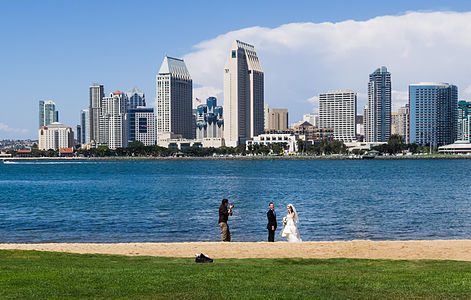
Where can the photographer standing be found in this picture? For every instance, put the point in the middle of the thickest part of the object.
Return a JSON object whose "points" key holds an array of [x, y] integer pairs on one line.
{"points": [[223, 216]]}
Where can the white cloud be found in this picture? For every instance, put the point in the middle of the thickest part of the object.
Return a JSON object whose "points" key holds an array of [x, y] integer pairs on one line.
{"points": [[315, 104], [399, 98], [467, 91], [4, 127], [305, 59]]}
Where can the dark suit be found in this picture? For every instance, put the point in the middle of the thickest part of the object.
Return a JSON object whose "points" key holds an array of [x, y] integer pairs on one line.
{"points": [[271, 216]]}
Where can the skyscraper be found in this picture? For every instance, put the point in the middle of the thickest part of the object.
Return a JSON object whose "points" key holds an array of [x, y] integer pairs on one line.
{"points": [[113, 121], [97, 93], [174, 98], [142, 125], [135, 97], [402, 122], [277, 119], [47, 113], [464, 118], [377, 112], [79, 134], [433, 113], [394, 121], [243, 95], [360, 125], [209, 121], [85, 126], [338, 110]]}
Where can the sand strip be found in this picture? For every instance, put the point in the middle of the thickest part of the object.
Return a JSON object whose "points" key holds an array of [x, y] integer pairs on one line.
{"points": [[433, 249]]}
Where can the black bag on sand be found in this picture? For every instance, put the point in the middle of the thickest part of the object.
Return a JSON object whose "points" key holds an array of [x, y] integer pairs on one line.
{"points": [[201, 258]]}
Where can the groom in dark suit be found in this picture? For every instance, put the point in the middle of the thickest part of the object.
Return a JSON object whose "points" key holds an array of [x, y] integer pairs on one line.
{"points": [[271, 226]]}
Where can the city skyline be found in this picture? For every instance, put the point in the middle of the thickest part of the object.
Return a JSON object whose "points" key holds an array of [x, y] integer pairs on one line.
{"points": [[65, 82]]}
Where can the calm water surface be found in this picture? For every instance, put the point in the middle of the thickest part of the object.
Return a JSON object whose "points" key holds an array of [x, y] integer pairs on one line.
{"points": [[172, 201]]}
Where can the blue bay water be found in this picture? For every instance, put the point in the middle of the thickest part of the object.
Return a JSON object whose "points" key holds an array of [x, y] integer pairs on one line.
{"points": [[174, 201]]}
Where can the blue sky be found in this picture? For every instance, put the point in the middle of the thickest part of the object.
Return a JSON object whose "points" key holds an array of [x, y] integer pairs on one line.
{"points": [[53, 50]]}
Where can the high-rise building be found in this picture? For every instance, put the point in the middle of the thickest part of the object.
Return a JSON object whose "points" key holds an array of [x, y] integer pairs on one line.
{"points": [[174, 99], [84, 124], [266, 111], [377, 112], [338, 110], [243, 95], [55, 136], [79, 134], [209, 121], [433, 113], [394, 121], [47, 113], [97, 93], [113, 121], [402, 123], [360, 127], [142, 125], [135, 97], [313, 119], [277, 119], [464, 117]]}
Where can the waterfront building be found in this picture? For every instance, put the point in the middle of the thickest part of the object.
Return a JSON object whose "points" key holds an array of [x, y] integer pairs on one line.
{"points": [[47, 113], [55, 136], [176, 141], [209, 120], [311, 134], [142, 125], [135, 98], [402, 123], [97, 93], [84, 124], [464, 116], [377, 112], [313, 119], [360, 127], [277, 119], [113, 121], [338, 110], [289, 139], [458, 147], [358, 145], [394, 117], [433, 113], [79, 134], [174, 98], [266, 110], [243, 94]]}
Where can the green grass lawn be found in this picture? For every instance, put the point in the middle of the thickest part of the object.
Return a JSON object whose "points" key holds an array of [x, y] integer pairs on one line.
{"points": [[32, 274]]}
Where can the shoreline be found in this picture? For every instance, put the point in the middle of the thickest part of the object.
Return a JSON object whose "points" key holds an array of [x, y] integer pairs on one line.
{"points": [[242, 158], [361, 249]]}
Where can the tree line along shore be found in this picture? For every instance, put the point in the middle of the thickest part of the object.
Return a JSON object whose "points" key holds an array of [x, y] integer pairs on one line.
{"points": [[394, 149]]}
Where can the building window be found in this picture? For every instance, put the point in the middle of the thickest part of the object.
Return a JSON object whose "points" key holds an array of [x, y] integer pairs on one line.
{"points": [[233, 53], [142, 125]]}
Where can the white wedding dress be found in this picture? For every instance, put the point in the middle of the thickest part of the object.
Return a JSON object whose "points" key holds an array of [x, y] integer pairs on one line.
{"points": [[290, 230]]}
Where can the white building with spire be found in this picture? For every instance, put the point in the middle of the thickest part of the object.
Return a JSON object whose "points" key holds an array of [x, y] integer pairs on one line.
{"points": [[174, 90], [243, 95]]}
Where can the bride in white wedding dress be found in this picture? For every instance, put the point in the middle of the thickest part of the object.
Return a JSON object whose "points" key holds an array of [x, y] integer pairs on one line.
{"points": [[290, 222]]}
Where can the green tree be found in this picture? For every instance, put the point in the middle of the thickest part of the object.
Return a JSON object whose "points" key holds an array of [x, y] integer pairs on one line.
{"points": [[301, 145]]}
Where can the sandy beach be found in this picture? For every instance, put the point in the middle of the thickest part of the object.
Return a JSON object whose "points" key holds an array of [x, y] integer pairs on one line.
{"points": [[425, 249]]}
